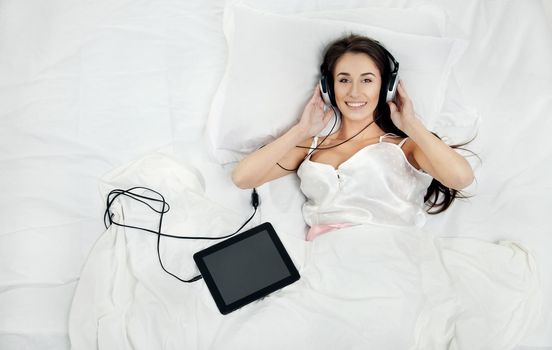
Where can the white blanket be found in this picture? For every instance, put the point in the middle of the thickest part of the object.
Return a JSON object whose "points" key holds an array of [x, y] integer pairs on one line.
{"points": [[363, 287]]}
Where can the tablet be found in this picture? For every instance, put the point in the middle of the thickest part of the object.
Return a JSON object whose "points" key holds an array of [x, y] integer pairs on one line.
{"points": [[246, 267]]}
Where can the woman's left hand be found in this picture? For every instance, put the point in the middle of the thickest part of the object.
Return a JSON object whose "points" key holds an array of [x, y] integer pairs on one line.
{"points": [[402, 109]]}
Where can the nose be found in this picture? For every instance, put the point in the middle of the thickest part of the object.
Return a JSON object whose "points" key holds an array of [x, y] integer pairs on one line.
{"points": [[355, 89]]}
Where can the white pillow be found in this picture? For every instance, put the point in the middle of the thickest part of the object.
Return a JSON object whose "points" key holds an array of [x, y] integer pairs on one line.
{"points": [[458, 122], [273, 65], [426, 20]]}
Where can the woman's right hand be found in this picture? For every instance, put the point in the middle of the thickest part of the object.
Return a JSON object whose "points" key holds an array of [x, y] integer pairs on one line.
{"points": [[314, 118], [264, 164]]}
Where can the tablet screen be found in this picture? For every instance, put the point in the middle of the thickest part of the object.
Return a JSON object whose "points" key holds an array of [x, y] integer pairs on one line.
{"points": [[246, 267]]}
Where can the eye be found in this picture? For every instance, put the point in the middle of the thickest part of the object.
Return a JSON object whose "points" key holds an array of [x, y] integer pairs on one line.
{"points": [[343, 80], [367, 80]]}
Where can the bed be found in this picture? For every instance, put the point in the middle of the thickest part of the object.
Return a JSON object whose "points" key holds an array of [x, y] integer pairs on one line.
{"points": [[114, 94]]}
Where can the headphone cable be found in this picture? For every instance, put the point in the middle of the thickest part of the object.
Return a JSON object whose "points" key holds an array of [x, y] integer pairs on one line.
{"points": [[324, 139], [108, 215]]}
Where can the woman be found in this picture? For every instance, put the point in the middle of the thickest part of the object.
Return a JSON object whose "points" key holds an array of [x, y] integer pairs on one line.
{"points": [[370, 180], [359, 70]]}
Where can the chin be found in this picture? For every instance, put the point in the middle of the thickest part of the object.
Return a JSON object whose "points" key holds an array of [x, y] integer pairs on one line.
{"points": [[358, 115]]}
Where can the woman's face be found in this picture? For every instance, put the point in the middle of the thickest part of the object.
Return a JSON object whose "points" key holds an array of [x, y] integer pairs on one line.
{"points": [[357, 83]]}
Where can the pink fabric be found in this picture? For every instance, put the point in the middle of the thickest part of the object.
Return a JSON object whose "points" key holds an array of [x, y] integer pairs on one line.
{"points": [[317, 230]]}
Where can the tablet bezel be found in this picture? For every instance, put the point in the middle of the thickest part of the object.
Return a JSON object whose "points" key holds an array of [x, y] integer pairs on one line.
{"points": [[211, 285]]}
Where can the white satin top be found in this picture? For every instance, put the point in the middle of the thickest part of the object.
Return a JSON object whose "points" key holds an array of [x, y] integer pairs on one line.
{"points": [[376, 185]]}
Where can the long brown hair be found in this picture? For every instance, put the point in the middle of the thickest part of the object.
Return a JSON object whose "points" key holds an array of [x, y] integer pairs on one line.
{"points": [[438, 196]]}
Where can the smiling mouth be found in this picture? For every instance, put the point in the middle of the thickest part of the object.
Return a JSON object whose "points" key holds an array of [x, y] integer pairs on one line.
{"points": [[355, 105]]}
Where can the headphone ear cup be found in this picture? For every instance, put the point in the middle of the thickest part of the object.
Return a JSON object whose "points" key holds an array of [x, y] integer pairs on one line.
{"points": [[325, 91], [392, 87], [329, 97], [331, 93]]}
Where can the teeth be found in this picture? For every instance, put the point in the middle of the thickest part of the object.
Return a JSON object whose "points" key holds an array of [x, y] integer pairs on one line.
{"points": [[355, 104]]}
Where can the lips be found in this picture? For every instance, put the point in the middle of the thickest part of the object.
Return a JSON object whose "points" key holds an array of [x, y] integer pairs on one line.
{"points": [[355, 105]]}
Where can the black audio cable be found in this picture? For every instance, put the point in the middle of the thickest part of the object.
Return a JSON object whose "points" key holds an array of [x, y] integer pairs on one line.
{"points": [[324, 139], [165, 207]]}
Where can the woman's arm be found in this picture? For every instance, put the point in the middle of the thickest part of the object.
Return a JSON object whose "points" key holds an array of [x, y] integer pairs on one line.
{"points": [[261, 166], [432, 155]]}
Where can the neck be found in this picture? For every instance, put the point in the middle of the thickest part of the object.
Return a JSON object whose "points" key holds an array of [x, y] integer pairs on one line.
{"points": [[366, 129]]}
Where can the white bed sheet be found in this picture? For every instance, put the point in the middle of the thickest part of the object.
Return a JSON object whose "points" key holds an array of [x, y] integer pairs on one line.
{"points": [[86, 87], [123, 301]]}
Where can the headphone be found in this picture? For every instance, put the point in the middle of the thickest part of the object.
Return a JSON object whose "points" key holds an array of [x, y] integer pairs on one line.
{"points": [[327, 91]]}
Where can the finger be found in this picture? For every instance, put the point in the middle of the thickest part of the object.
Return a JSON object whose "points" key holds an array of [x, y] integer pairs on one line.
{"points": [[329, 113], [392, 107], [316, 95], [405, 100], [316, 91], [321, 104], [402, 89], [402, 97]]}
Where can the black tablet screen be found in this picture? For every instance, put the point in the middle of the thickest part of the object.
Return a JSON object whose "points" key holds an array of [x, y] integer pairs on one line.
{"points": [[246, 267]]}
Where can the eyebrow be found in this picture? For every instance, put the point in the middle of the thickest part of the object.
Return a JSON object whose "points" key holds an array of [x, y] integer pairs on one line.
{"points": [[363, 74]]}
